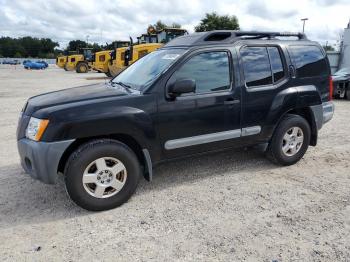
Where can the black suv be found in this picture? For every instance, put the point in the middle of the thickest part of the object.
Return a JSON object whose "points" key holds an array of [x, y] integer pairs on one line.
{"points": [[199, 93]]}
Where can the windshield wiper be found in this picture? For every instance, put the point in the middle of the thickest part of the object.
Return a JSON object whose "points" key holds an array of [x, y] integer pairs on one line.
{"points": [[123, 85]]}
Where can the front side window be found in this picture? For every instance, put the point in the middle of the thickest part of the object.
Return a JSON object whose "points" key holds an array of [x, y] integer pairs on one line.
{"points": [[72, 60], [256, 65], [210, 70]]}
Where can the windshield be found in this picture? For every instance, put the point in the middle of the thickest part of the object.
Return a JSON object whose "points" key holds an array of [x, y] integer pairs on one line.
{"points": [[145, 71]]}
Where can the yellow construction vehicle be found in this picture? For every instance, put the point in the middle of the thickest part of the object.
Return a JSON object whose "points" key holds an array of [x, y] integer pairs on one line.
{"points": [[124, 56], [61, 61], [100, 61], [72, 61]]}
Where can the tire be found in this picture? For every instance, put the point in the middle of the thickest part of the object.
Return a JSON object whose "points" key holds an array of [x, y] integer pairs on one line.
{"points": [[85, 194], [82, 68], [347, 94], [108, 73], [65, 68], [280, 149]]}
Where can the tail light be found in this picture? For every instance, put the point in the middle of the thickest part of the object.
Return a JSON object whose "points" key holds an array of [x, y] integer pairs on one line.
{"points": [[330, 88]]}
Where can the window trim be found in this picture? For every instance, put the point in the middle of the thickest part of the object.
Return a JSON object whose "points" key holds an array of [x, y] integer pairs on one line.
{"points": [[274, 85], [229, 56]]}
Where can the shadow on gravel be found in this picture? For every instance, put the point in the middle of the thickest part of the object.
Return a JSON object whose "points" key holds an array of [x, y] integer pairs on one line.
{"points": [[26, 201]]}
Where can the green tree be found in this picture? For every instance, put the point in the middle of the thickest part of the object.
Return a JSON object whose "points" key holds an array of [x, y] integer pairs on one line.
{"points": [[159, 25], [328, 48], [75, 45], [214, 21], [17, 55]]}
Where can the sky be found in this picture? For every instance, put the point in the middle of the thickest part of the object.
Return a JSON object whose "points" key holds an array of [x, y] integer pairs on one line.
{"points": [[109, 20]]}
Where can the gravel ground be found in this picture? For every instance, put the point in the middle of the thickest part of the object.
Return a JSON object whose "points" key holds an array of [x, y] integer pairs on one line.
{"points": [[231, 206]]}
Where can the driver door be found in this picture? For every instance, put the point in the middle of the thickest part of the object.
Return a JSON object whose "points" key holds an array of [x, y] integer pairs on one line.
{"points": [[207, 119]]}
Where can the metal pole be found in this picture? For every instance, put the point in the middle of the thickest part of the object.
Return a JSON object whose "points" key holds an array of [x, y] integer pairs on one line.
{"points": [[304, 20]]}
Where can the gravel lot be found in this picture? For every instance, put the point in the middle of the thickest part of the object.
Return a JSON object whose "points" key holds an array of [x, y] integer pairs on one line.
{"points": [[231, 206]]}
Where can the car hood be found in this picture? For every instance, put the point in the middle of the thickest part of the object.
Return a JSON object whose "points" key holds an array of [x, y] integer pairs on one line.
{"points": [[73, 95]]}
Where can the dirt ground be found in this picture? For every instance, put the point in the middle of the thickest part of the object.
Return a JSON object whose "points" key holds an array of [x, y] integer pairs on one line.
{"points": [[231, 206]]}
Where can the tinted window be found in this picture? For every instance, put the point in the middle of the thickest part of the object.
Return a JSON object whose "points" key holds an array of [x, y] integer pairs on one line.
{"points": [[211, 71], [309, 61], [276, 63], [256, 66]]}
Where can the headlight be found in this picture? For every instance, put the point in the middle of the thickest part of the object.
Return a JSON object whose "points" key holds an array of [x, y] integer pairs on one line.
{"points": [[36, 128]]}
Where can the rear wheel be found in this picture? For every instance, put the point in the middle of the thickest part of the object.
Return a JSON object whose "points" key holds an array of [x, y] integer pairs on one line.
{"points": [[290, 140], [82, 68], [102, 174]]}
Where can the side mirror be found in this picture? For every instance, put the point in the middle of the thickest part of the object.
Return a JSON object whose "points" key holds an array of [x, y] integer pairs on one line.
{"points": [[182, 87]]}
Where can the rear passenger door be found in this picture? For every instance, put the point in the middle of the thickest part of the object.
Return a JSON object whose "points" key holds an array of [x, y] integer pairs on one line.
{"points": [[264, 74]]}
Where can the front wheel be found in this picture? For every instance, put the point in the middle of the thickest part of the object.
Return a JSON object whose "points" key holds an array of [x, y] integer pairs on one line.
{"points": [[102, 174], [82, 68], [290, 140]]}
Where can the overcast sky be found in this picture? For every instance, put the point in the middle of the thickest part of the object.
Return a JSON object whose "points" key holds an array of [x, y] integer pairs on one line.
{"points": [[108, 20]]}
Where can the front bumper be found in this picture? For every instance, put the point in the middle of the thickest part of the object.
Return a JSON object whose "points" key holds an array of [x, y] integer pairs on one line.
{"points": [[40, 159]]}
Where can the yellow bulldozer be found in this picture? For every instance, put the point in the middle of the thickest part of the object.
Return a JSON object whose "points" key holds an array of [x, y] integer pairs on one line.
{"points": [[122, 57], [61, 61], [81, 63], [100, 61]]}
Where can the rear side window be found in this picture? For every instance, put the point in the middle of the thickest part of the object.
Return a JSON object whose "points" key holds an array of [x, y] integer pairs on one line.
{"points": [[309, 61], [210, 70], [256, 65], [276, 64]]}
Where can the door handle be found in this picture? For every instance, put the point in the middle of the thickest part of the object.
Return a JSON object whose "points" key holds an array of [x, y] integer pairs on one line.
{"points": [[231, 102]]}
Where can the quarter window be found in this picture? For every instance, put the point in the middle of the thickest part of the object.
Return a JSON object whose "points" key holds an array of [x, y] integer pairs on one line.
{"points": [[309, 60], [210, 70], [256, 65]]}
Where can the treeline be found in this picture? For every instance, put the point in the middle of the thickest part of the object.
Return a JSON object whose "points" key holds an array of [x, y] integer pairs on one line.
{"points": [[47, 48], [27, 47]]}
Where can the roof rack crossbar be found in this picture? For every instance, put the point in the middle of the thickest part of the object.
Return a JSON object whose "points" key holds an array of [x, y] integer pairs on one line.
{"points": [[270, 34]]}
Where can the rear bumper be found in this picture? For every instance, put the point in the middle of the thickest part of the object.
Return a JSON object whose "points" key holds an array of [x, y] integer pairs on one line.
{"points": [[323, 113], [40, 159], [328, 111]]}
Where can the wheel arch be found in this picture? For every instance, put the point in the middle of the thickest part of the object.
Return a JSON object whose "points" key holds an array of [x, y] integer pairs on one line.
{"points": [[307, 114], [141, 153]]}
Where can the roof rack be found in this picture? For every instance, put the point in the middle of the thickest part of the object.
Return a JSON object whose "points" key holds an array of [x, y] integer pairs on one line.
{"points": [[229, 37], [258, 34]]}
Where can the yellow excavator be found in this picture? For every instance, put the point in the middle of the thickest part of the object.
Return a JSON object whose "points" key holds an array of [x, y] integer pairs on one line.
{"points": [[61, 61]]}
